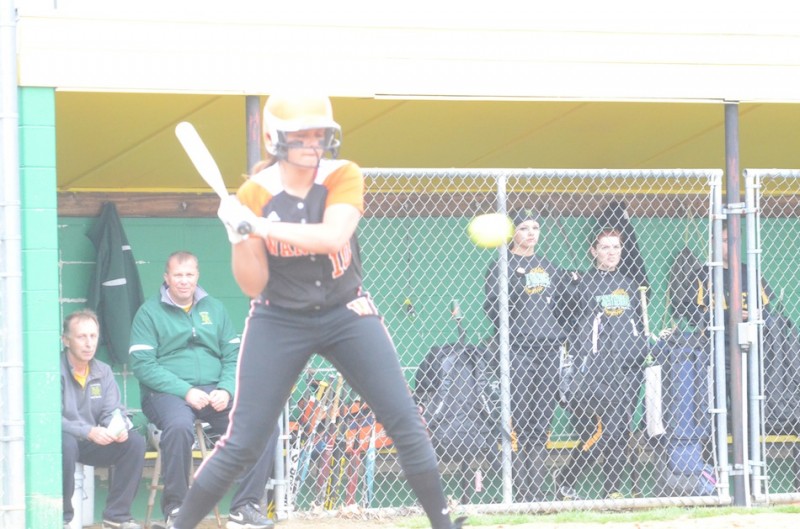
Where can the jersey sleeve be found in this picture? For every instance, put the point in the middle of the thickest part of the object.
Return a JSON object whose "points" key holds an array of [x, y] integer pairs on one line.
{"points": [[254, 196], [346, 186]]}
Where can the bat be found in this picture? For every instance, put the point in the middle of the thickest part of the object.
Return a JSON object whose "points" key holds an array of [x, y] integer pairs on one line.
{"points": [[369, 470], [204, 163], [645, 318], [655, 424], [327, 458]]}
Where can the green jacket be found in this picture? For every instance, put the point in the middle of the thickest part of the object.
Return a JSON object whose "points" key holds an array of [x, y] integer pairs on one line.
{"points": [[172, 351], [115, 292]]}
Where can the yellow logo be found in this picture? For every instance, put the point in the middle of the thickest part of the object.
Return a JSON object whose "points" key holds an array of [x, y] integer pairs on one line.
{"points": [[616, 303], [205, 319], [536, 280]]}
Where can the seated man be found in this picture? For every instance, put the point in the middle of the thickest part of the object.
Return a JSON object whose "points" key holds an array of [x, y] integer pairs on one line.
{"points": [[184, 352], [94, 428]]}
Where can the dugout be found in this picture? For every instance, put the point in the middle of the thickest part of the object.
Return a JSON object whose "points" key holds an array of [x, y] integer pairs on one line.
{"points": [[416, 252]]}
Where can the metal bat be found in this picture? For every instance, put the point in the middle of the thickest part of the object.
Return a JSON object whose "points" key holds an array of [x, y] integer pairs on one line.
{"points": [[204, 163], [645, 316], [655, 423]]}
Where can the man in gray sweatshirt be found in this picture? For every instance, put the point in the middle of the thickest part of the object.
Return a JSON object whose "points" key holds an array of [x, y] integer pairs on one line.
{"points": [[94, 427]]}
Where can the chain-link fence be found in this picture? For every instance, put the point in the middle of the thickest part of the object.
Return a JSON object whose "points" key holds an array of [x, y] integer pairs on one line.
{"points": [[773, 382], [577, 367]]}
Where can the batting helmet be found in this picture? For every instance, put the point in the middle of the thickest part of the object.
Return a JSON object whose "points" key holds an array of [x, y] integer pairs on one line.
{"points": [[292, 113]]}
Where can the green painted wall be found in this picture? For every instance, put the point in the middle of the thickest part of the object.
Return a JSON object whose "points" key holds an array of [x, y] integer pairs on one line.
{"points": [[40, 284]]}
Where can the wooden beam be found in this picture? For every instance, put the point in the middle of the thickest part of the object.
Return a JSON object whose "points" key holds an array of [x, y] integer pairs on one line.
{"points": [[180, 205], [400, 205]]}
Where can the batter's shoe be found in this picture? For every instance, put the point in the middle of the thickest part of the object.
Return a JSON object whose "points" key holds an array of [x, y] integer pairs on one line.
{"points": [[128, 524], [248, 517], [567, 493], [458, 523], [169, 523]]}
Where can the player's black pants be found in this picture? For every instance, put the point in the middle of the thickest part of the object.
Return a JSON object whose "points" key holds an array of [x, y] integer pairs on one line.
{"points": [[534, 383], [276, 346], [127, 459], [175, 418], [601, 417]]}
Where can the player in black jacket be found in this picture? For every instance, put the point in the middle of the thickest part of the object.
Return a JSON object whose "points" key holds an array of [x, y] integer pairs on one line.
{"points": [[535, 340], [610, 348]]}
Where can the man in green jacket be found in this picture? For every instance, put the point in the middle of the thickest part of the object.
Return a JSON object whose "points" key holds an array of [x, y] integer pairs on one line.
{"points": [[184, 351]]}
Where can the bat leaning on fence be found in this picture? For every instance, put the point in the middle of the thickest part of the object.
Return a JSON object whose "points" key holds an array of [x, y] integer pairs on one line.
{"points": [[369, 465], [307, 433], [326, 459], [655, 425]]}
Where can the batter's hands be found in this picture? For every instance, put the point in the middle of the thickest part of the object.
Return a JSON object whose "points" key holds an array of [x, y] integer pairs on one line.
{"points": [[237, 218], [219, 399]]}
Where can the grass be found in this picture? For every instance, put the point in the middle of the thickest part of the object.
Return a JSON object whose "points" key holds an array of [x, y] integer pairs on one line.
{"points": [[663, 514]]}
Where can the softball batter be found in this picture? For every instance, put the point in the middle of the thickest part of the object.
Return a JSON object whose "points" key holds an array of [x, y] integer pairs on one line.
{"points": [[301, 267]]}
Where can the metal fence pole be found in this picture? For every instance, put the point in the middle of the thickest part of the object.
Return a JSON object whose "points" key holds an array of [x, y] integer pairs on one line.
{"points": [[755, 329], [737, 367], [505, 360], [717, 328]]}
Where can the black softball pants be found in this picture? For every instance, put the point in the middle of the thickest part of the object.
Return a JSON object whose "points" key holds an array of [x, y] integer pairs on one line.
{"points": [[534, 384], [276, 346]]}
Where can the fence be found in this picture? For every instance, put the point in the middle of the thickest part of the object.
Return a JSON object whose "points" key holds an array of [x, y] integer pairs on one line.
{"points": [[773, 374], [519, 448]]}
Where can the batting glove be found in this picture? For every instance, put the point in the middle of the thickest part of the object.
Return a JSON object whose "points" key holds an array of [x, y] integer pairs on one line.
{"points": [[239, 221]]}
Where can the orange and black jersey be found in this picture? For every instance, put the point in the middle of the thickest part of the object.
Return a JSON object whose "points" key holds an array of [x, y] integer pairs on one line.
{"points": [[299, 280]]}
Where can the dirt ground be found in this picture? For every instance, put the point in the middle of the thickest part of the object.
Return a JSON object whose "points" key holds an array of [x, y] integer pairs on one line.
{"points": [[730, 521]]}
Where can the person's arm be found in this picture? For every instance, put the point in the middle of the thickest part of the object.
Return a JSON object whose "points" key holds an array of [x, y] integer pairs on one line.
{"points": [[75, 427], [249, 258], [250, 266], [580, 311], [112, 399], [569, 306], [143, 355], [491, 301], [561, 298], [229, 343], [329, 236]]}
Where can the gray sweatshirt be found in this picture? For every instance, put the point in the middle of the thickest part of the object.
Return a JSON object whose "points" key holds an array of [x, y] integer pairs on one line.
{"points": [[82, 408]]}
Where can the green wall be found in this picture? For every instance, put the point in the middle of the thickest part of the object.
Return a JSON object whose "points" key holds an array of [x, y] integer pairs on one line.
{"points": [[40, 285]]}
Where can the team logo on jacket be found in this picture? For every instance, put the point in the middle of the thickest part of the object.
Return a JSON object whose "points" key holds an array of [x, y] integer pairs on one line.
{"points": [[95, 391], [205, 318], [536, 281], [614, 304]]}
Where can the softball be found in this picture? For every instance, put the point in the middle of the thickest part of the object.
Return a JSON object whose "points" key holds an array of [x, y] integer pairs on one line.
{"points": [[490, 230]]}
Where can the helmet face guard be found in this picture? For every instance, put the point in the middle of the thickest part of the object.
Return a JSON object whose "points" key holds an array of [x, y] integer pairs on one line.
{"points": [[281, 145], [285, 114]]}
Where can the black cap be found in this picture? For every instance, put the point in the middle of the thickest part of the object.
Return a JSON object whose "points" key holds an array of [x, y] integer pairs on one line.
{"points": [[521, 215]]}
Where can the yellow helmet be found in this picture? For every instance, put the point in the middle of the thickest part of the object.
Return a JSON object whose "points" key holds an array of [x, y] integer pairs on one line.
{"points": [[291, 113]]}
